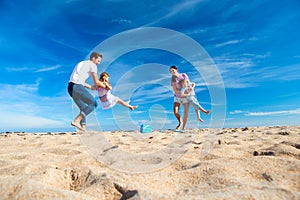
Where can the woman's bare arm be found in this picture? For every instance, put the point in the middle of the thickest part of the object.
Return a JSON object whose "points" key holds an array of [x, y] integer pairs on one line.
{"points": [[176, 90]]}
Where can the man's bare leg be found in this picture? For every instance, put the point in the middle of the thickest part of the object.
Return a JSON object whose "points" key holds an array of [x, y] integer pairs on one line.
{"points": [[76, 122], [83, 127]]}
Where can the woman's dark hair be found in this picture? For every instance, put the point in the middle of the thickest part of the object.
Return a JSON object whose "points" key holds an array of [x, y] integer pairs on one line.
{"points": [[174, 67]]}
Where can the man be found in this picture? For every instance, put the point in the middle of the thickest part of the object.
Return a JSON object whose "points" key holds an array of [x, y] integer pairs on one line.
{"points": [[77, 88]]}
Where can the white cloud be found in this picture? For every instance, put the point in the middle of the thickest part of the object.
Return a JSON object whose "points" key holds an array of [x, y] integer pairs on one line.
{"points": [[178, 7], [17, 69], [269, 113], [146, 86], [283, 73], [236, 72], [150, 96], [17, 92], [44, 69], [236, 112], [229, 64], [259, 56], [122, 21], [17, 121], [282, 112], [229, 42], [253, 39], [22, 107], [243, 72]]}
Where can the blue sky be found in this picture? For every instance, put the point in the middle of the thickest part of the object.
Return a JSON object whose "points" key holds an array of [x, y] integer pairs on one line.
{"points": [[254, 45]]}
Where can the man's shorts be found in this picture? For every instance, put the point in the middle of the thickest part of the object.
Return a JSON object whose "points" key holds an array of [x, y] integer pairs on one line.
{"points": [[181, 100]]}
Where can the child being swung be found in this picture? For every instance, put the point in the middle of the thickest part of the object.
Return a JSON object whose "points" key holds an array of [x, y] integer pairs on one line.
{"points": [[107, 100]]}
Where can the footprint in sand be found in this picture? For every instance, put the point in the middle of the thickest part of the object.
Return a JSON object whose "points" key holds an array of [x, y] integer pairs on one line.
{"points": [[126, 194], [13, 169], [64, 152], [185, 166], [152, 160], [110, 148], [297, 146]]}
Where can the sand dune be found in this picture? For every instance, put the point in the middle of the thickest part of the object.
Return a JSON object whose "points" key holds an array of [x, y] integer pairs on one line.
{"points": [[232, 163]]}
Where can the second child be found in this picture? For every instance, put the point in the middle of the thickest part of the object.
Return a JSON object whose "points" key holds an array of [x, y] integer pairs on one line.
{"points": [[187, 90]]}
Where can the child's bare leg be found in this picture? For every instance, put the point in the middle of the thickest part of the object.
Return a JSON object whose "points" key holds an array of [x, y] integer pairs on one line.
{"points": [[198, 116], [120, 101], [203, 110]]}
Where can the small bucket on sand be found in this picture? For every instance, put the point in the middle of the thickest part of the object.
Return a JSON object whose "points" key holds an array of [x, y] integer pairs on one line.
{"points": [[145, 128]]}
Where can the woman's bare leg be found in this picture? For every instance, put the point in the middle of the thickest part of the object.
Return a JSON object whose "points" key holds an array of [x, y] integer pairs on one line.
{"points": [[186, 114], [120, 101], [176, 113]]}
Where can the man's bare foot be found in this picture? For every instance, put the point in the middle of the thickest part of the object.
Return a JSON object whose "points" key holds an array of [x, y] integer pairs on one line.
{"points": [[83, 126], [79, 132], [77, 125], [133, 107]]}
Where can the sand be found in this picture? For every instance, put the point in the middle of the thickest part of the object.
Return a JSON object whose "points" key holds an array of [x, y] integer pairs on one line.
{"points": [[231, 163]]}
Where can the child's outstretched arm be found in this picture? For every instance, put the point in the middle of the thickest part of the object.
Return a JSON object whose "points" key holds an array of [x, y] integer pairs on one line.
{"points": [[101, 84], [193, 84], [97, 83], [190, 87], [108, 86], [184, 93]]}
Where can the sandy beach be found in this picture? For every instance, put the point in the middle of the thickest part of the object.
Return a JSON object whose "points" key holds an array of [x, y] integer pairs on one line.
{"points": [[231, 163]]}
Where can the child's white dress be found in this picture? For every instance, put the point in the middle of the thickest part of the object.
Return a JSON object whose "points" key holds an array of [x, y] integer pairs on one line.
{"points": [[191, 97], [107, 100]]}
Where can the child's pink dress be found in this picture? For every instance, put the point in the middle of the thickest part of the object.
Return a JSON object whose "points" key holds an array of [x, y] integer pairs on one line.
{"points": [[106, 99]]}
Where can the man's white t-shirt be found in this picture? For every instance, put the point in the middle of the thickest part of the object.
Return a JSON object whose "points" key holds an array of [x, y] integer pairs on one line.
{"points": [[83, 71]]}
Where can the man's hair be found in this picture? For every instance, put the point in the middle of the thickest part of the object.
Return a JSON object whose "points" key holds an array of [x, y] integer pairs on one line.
{"points": [[95, 55]]}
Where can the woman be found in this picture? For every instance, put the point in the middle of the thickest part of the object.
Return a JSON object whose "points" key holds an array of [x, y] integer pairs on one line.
{"points": [[178, 99]]}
